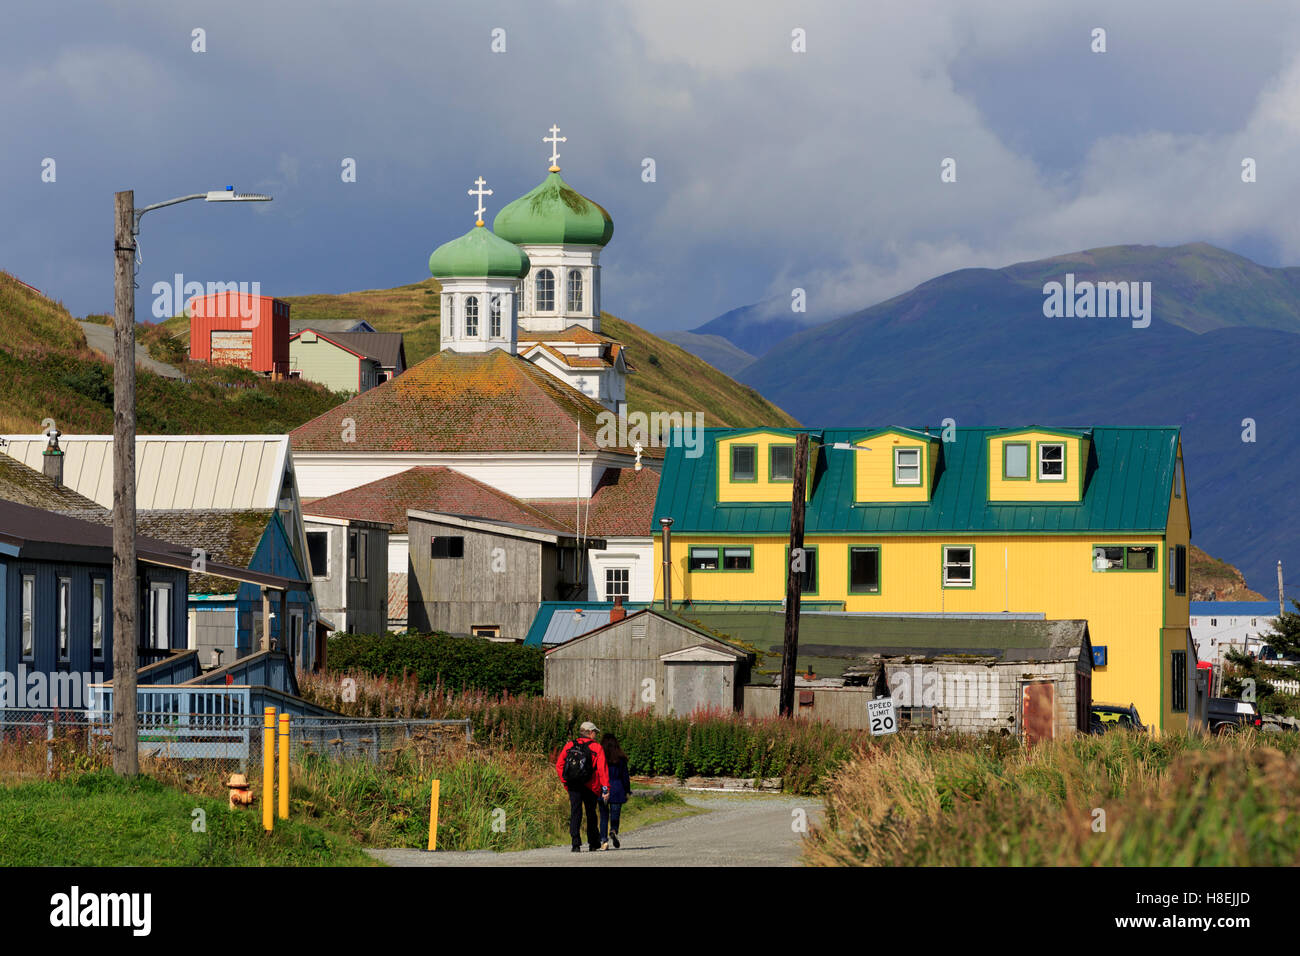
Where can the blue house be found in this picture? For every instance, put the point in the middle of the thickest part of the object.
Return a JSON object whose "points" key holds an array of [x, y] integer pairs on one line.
{"points": [[56, 600]]}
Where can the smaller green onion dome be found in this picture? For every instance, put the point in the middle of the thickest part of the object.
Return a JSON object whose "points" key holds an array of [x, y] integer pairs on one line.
{"points": [[554, 213], [479, 253]]}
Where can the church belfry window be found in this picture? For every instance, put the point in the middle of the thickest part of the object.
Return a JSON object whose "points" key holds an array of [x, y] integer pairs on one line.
{"points": [[471, 317], [494, 317], [545, 291], [575, 290], [451, 316]]}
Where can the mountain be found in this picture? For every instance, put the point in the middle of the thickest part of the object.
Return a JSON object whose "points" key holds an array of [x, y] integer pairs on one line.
{"points": [[756, 328], [1223, 347], [668, 378], [714, 349]]}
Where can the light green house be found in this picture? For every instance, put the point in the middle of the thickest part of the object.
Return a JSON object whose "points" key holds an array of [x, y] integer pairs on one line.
{"points": [[346, 361]]}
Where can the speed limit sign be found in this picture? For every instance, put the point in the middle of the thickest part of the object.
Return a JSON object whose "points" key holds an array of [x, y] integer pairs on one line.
{"points": [[881, 716]]}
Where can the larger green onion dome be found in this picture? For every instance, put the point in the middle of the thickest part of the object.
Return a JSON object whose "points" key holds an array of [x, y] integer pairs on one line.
{"points": [[478, 254], [554, 214]]}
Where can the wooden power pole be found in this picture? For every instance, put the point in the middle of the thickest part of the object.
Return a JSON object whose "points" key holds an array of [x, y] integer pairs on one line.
{"points": [[126, 747], [794, 579]]}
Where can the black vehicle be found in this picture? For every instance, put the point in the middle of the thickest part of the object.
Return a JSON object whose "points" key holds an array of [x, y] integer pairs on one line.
{"points": [[1104, 717], [1226, 714]]}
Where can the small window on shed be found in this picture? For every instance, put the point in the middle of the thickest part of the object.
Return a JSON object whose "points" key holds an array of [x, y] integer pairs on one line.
{"points": [[318, 549], [448, 546], [639, 627]]}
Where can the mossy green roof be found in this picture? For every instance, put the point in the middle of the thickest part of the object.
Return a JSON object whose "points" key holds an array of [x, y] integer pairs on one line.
{"points": [[478, 254], [554, 213]]}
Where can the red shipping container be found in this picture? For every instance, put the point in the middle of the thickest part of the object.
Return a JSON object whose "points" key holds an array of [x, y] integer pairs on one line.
{"points": [[236, 328]]}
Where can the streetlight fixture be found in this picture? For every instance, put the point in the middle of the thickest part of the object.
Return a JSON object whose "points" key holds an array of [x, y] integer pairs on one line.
{"points": [[126, 747]]}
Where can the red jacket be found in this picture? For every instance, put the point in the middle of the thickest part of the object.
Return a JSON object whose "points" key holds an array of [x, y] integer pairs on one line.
{"points": [[598, 779]]}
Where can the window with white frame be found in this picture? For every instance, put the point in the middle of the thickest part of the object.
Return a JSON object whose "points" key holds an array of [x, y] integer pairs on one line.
{"points": [[958, 567], [545, 285], [65, 617], [29, 616], [618, 583], [97, 591], [1051, 461], [471, 317], [907, 466], [160, 610], [575, 290], [494, 317]]}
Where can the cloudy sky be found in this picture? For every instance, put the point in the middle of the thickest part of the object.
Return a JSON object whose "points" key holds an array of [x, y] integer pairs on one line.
{"points": [[774, 169]]}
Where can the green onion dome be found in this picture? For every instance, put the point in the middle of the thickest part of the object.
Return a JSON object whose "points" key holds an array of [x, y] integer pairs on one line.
{"points": [[478, 254], [554, 214]]}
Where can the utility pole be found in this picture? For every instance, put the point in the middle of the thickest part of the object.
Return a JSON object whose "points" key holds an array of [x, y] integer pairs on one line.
{"points": [[1281, 603], [794, 579], [126, 746], [667, 524]]}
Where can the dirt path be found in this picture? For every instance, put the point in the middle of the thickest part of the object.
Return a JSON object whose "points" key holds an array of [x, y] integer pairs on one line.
{"points": [[737, 830]]}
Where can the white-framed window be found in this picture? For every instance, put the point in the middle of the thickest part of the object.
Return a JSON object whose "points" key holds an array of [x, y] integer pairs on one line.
{"points": [[545, 285], [494, 317], [97, 610], [907, 466], [29, 616], [471, 317], [160, 615], [575, 290], [958, 566], [1051, 461], [618, 583], [65, 617], [451, 317]]}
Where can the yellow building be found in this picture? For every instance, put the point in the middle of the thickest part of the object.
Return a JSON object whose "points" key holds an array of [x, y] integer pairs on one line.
{"points": [[1065, 522]]}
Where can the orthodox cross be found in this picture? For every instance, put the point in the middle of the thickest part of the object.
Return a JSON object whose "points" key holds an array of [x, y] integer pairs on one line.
{"points": [[480, 193], [555, 139]]}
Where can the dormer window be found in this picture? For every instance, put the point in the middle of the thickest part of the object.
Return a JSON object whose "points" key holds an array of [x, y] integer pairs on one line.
{"points": [[1015, 460], [907, 466], [781, 463], [1051, 461], [744, 462]]}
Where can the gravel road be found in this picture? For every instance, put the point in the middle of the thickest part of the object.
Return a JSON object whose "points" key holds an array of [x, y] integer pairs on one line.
{"points": [[737, 830]]}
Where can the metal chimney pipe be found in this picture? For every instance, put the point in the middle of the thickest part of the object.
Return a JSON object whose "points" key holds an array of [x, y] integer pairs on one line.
{"points": [[666, 524]]}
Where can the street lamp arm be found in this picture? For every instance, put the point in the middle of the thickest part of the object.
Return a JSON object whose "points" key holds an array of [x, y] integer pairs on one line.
{"points": [[169, 202]]}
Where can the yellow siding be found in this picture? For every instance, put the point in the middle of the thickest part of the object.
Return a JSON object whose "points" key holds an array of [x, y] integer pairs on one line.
{"points": [[1177, 606], [1051, 575], [1031, 489], [874, 469], [324, 362], [763, 489]]}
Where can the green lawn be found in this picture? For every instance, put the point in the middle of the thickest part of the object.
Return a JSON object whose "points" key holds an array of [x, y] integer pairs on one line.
{"points": [[98, 819]]}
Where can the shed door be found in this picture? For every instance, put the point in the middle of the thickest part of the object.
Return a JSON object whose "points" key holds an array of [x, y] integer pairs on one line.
{"points": [[1038, 711], [694, 685]]}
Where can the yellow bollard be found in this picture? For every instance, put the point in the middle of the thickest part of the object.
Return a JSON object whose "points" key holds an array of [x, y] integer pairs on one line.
{"points": [[284, 766], [433, 817], [268, 769]]}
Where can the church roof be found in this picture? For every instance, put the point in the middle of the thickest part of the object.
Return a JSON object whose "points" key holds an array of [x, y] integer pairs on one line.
{"points": [[478, 254], [463, 402], [622, 504], [554, 213], [572, 361], [577, 334], [431, 488]]}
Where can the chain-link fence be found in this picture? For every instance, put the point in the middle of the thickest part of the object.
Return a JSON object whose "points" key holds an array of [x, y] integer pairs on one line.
{"points": [[35, 743]]}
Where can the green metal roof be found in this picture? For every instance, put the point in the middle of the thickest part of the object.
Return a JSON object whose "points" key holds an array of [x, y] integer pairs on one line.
{"points": [[478, 254], [554, 213], [1127, 485]]}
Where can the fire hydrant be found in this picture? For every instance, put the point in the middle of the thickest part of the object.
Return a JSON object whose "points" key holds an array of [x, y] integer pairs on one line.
{"points": [[240, 794]]}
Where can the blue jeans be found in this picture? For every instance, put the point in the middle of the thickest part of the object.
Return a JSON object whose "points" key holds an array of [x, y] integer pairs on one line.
{"points": [[609, 814]]}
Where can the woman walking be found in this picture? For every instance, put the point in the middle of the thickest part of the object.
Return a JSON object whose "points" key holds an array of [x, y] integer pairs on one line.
{"points": [[620, 788]]}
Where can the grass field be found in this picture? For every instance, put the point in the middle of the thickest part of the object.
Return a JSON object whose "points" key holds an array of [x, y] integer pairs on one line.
{"points": [[98, 819], [1118, 799]]}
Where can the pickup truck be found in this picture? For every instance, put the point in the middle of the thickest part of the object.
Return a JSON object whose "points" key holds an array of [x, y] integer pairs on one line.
{"points": [[1226, 714]]}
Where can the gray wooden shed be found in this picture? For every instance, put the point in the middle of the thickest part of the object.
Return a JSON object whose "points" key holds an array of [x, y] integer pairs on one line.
{"points": [[652, 661]]}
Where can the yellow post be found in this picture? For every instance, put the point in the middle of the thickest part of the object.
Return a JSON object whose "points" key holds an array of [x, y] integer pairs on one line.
{"points": [[284, 766], [268, 769], [433, 817]]}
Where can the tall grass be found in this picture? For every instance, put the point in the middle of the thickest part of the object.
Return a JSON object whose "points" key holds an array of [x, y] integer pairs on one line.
{"points": [[1172, 800], [709, 743]]}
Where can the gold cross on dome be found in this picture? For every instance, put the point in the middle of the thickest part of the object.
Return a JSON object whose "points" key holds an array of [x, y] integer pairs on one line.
{"points": [[480, 193], [555, 139]]}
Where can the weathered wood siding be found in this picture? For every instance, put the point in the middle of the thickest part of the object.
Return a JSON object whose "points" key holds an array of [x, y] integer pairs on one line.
{"points": [[616, 666]]}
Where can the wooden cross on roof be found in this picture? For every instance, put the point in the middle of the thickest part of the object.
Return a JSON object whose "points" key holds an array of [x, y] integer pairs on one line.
{"points": [[555, 139], [480, 193]]}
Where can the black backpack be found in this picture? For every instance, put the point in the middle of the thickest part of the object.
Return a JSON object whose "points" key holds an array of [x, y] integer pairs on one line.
{"points": [[579, 764]]}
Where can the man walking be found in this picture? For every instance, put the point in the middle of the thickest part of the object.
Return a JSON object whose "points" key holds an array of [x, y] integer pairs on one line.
{"points": [[582, 770]]}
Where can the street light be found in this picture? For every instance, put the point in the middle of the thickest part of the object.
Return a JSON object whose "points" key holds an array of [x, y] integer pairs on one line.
{"points": [[126, 748]]}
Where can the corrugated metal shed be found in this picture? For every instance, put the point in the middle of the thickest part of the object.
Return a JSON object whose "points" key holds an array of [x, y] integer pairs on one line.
{"points": [[172, 471], [1127, 488], [556, 618]]}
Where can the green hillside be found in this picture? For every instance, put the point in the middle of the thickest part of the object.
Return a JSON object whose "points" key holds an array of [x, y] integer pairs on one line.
{"points": [[668, 378], [47, 371]]}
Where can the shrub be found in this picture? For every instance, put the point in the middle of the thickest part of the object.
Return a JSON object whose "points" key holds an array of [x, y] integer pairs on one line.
{"points": [[441, 661]]}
